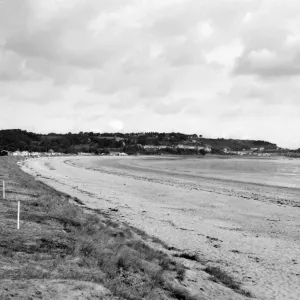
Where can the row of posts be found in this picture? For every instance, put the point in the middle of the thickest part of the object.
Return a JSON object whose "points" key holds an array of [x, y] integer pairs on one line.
{"points": [[18, 215]]}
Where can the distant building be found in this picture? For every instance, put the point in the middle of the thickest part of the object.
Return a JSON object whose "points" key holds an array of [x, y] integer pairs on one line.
{"points": [[17, 153], [155, 147], [187, 147], [226, 150], [114, 152], [21, 153], [149, 147], [35, 154]]}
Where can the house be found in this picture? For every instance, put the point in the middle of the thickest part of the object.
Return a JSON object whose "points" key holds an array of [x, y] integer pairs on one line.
{"points": [[187, 147], [200, 148], [84, 153], [226, 150], [17, 153], [35, 154], [155, 147], [234, 152], [123, 154], [119, 139], [114, 152], [150, 147]]}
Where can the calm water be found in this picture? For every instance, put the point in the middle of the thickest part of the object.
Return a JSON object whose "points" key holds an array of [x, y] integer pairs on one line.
{"points": [[279, 172]]}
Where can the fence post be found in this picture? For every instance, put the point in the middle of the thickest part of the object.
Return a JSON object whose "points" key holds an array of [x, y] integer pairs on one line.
{"points": [[18, 221], [3, 190]]}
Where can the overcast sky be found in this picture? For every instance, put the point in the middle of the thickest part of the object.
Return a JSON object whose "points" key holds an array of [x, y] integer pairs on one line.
{"points": [[221, 68]]}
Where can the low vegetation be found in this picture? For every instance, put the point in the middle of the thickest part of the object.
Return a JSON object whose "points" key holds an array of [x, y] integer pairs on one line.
{"points": [[189, 256], [60, 240], [219, 275]]}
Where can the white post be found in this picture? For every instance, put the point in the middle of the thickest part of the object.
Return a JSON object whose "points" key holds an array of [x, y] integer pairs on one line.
{"points": [[18, 226], [3, 191]]}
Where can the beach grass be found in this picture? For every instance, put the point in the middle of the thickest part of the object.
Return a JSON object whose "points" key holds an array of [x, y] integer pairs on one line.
{"points": [[221, 276], [61, 240]]}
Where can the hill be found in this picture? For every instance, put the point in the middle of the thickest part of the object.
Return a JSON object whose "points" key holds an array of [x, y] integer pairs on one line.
{"points": [[238, 145], [16, 139]]}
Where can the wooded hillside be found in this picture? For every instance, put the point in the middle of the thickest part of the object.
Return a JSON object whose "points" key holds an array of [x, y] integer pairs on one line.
{"points": [[16, 139]]}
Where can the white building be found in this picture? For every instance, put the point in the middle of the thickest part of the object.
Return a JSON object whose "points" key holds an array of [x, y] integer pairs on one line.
{"points": [[123, 154], [188, 147], [154, 147], [35, 154], [207, 149], [25, 153]]}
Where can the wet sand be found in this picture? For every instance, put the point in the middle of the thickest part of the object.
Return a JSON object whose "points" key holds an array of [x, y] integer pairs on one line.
{"points": [[248, 226]]}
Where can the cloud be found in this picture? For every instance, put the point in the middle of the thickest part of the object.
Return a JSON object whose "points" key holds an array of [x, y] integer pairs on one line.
{"points": [[217, 67], [271, 41], [15, 68], [225, 55], [171, 106], [268, 63]]}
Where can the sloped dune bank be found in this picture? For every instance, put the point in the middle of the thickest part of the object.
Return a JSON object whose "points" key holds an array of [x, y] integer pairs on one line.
{"points": [[250, 231]]}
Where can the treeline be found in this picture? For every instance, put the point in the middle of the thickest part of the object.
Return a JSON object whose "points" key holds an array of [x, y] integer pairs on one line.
{"points": [[16, 139]]}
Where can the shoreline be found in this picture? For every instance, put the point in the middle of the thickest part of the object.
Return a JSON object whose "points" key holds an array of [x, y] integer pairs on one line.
{"points": [[64, 250], [226, 237]]}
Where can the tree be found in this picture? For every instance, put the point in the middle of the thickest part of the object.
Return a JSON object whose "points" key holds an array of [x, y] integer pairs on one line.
{"points": [[142, 140], [202, 151]]}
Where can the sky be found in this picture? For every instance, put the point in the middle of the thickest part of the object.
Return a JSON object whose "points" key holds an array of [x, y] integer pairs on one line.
{"points": [[220, 68]]}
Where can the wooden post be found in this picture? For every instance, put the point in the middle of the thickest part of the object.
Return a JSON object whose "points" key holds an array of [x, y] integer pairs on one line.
{"points": [[18, 218], [3, 191]]}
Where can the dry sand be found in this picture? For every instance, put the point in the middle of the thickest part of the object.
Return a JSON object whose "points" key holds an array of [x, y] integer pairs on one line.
{"points": [[250, 230]]}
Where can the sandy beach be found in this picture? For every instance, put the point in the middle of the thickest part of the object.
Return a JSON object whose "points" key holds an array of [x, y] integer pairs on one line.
{"points": [[243, 222]]}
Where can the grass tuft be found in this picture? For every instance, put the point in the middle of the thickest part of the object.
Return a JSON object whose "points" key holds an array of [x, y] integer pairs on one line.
{"points": [[189, 256], [218, 275]]}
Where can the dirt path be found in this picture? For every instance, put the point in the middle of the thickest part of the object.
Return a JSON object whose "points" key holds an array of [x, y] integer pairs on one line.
{"points": [[243, 228]]}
